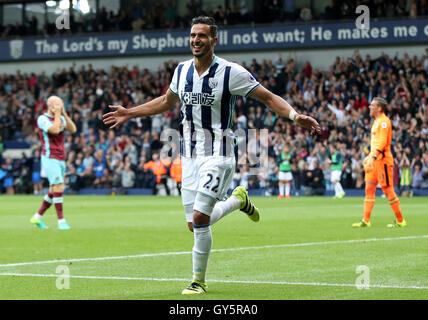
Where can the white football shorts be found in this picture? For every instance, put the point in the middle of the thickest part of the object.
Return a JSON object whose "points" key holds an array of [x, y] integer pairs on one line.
{"points": [[211, 176], [285, 176], [335, 175]]}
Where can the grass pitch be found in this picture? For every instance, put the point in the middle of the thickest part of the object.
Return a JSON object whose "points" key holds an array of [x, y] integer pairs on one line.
{"points": [[131, 247]]}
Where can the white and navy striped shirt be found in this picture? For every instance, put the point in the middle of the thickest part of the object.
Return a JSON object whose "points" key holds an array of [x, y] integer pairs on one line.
{"points": [[207, 105]]}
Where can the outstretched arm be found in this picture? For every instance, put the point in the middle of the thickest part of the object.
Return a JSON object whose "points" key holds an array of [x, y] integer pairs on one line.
{"points": [[158, 105], [281, 107]]}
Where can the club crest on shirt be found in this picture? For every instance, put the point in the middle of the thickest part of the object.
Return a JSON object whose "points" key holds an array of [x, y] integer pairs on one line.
{"points": [[16, 48], [212, 83]]}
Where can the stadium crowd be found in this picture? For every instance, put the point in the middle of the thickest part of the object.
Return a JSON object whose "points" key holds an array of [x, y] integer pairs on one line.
{"points": [[128, 156], [150, 14]]}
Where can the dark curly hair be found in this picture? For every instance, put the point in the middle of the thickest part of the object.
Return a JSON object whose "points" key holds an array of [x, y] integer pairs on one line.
{"points": [[209, 21]]}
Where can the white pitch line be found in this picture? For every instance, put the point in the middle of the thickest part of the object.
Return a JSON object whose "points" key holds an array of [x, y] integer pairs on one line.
{"points": [[325, 284], [96, 259], [145, 255]]}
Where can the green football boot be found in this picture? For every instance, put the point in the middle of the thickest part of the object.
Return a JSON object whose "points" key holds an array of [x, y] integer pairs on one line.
{"points": [[196, 287], [63, 226], [39, 223], [246, 206], [396, 224], [361, 224]]}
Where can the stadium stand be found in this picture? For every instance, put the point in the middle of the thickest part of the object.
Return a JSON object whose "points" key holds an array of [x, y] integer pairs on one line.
{"points": [[115, 161], [154, 15]]}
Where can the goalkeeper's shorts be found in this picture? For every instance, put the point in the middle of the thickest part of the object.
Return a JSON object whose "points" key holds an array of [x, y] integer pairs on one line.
{"points": [[381, 174]]}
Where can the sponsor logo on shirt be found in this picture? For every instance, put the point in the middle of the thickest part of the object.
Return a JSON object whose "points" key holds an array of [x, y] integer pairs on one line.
{"points": [[206, 99]]}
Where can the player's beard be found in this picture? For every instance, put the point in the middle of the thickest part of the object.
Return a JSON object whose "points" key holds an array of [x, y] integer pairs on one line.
{"points": [[205, 49]]}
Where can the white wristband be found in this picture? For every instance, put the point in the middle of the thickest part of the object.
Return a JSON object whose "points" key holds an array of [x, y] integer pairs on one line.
{"points": [[292, 114]]}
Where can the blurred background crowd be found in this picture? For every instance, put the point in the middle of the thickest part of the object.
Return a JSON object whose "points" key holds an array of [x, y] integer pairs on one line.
{"points": [[142, 15], [128, 157]]}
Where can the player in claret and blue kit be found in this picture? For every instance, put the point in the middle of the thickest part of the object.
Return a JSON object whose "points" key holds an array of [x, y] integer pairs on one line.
{"points": [[51, 131]]}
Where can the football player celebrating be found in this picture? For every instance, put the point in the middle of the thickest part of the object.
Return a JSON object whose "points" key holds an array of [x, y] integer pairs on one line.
{"points": [[206, 86]]}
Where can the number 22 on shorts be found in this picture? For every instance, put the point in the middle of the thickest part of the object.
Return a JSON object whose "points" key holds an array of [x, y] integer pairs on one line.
{"points": [[212, 183]]}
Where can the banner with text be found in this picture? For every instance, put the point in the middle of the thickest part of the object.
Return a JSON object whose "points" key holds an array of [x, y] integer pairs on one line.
{"points": [[230, 39]]}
